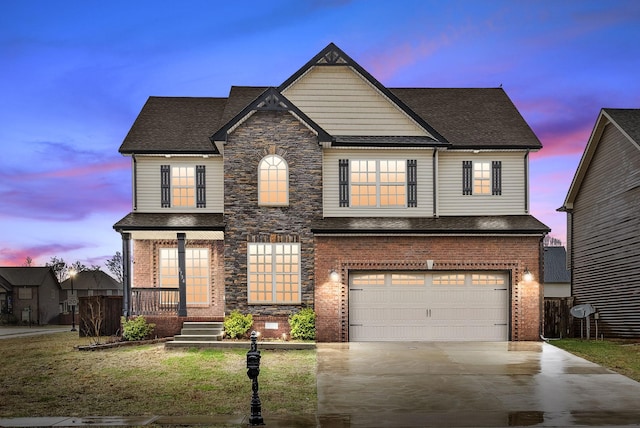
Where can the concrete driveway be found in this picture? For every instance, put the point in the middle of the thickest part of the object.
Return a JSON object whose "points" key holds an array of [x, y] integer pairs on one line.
{"points": [[468, 384]]}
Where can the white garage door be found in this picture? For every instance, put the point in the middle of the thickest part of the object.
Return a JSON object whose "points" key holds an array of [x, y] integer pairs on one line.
{"points": [[428, 306]]}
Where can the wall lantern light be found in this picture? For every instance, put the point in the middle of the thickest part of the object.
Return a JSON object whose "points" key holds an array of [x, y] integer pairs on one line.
{"points": [[334, 276], [527, 276]]}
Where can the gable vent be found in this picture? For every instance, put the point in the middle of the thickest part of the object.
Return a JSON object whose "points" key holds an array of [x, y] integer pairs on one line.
{"points": [[332, 57], [273, 102]]}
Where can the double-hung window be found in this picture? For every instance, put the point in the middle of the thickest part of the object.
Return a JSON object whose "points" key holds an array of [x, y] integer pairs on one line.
{"points": [[377, 183], [481, 178], [182, 186], [197, 272], [273, 273]]}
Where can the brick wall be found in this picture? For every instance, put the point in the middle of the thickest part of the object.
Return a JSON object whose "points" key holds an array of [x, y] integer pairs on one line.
{"points": [[145, 271], [262, 134], [509, 254]]}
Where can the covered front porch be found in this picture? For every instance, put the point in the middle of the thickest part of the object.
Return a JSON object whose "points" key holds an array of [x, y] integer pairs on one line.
{"points": [[173, 265]]}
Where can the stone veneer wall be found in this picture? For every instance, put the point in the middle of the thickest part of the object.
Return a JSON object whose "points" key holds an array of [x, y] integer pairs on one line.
{"points": [[145, 271], [268, 132], [342, 254]]}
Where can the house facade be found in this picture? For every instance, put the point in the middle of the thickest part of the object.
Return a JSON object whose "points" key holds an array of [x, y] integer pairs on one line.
{"points": [[603, 223], [29, 294], [396, 214]]}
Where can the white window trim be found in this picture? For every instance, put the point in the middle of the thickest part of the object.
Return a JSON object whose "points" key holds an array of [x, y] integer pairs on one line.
{"points": [[260, 184], [378, 185], [274, 271]]}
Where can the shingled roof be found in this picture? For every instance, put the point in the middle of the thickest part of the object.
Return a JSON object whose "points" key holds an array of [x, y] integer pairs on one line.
{"points": [[472, 118], [507, 224], [465, 118], [26, 276], [175, 125], [628, 119]]}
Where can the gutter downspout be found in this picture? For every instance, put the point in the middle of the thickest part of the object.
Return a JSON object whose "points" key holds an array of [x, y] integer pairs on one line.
{"points": [[435, 183], [526, 182], [134, 172]]}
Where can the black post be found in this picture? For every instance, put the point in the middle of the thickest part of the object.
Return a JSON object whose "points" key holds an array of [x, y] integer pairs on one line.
{"points": [[182, 283], [253, 366], [73, 307]]}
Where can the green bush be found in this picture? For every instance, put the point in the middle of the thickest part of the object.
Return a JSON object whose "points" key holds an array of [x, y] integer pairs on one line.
{"points": [[136, 328], [236, 324], [303, 324]]}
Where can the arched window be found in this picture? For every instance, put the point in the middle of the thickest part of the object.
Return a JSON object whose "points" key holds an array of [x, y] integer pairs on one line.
{"points": [[273, 181]]}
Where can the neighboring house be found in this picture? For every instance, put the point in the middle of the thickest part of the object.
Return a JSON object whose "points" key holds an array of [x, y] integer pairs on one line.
{"points": [[31, 294], [557, 278], [603, 223], [395, 213], [88, 283]]}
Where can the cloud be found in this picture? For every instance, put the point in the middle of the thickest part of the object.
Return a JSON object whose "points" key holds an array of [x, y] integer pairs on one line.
{"points": [[40, 254], [66, 193]]}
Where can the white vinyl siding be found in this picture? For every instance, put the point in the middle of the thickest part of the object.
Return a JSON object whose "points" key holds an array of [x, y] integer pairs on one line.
{"points": [[330, 179], [147, 182], [343, 103], [451, 201]]}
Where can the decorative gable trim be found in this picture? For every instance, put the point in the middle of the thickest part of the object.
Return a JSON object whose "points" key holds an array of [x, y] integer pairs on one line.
{"points": [[334, 56], [270, 100]]}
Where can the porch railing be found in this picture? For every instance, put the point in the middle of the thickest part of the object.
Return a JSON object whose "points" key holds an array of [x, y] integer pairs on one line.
{"points": [[154, 301]]}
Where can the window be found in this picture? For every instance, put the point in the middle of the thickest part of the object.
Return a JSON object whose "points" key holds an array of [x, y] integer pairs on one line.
{"points": [[448, 279], [273, 273], [482, 178], [273, 181], [182, 186], [487, 279], [25, 293], [377, 183], [197, 272]]}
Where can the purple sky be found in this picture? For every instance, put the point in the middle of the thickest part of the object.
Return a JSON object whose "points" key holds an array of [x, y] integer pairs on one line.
{"points": [[75, 74]]}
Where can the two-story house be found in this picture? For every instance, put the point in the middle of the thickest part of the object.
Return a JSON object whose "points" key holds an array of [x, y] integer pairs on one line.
{"points": [[395, 213]]}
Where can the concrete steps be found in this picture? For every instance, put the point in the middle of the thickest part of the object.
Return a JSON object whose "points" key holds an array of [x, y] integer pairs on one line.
{"points": [[197, 335]]}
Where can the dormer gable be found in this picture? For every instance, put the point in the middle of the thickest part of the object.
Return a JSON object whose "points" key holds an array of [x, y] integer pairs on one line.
{"points": [[347, 101]]}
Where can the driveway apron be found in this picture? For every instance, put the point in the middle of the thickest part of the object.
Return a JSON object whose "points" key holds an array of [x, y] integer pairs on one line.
{"points": [[464, 384]]}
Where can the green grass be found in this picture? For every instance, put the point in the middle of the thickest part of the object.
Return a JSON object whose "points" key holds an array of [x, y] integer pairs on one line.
{"points": [[45, 376], [621, 356]]}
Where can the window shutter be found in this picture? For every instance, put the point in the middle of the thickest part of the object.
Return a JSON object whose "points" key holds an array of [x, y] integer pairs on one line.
{"points": [[165, 186], [412, 183], [343, 182], [467, 177], [201, 199], [496, 178]]}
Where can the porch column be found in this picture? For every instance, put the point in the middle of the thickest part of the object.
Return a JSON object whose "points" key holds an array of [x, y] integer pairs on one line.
{"points": [[182, 282], [126, 274]]}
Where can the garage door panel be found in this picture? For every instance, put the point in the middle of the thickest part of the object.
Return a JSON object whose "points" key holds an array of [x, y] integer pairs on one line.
{"points": [[397, 306]]}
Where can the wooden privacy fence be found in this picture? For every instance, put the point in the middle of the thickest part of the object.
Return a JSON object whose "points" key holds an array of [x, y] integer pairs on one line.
{"points": [[558, 322], [100, 314]]}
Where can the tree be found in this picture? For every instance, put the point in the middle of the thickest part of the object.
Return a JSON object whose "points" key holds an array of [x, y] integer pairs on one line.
{"points": [[115, 265], [550, 241], [59, 267], [28, 262]]}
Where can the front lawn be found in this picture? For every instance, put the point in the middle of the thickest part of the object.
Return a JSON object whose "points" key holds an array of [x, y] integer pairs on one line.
{"points": [[45, 376], [622, 356]]}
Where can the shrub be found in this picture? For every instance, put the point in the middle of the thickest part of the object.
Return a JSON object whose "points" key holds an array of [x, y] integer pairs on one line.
{"points": [[303, 324], [136, 328], [236, 324]]}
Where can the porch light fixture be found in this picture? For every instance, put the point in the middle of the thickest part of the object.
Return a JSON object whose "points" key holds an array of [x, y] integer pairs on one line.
{"points": [[334, 276], [527, 276]]}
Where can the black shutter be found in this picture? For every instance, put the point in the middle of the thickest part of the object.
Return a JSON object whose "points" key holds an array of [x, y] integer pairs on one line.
{"points": [[165, 186], [343, 182], [201, 199], [496, 178], [412, 183], [467, 177]]}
